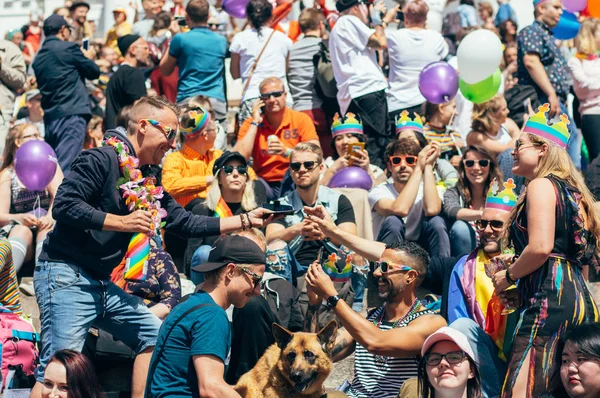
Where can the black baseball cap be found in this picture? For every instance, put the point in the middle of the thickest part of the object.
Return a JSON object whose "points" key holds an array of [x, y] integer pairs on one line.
{"points": [[343, 5], [78, 4], [232, 249], [226, 157], [53, 24]]}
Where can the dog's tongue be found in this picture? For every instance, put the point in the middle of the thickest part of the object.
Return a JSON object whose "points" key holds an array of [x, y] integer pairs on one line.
{"points": [[301, 387]]}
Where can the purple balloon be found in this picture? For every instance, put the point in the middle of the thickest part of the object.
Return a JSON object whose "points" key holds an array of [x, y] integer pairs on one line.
{"points": [[235, 8], [438, 82], [351, 177], [575, 5], [35, 165]]}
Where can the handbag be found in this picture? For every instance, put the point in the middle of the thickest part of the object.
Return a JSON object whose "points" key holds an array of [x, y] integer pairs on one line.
{"points": [[238, 122]]}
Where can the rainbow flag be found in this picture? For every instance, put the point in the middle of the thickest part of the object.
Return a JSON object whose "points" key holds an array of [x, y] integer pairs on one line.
{"points": [[222, 210], [136, 258], [331, 269]]}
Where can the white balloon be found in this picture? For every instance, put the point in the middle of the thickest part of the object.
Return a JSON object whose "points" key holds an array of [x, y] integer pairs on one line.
{"points": [[479, 55]]}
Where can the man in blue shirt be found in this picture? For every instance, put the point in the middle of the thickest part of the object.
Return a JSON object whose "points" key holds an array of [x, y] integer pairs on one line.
{"points": [[193, 347], [200, 56]]}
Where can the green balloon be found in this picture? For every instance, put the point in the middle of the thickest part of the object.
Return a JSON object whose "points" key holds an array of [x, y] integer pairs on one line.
{"points": [[482, 91]]}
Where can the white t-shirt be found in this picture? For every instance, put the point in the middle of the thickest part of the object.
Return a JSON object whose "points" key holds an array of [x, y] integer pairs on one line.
{"points": [[248, 44], [410, 51], [412, 222], [435, 15], [355, 66]]}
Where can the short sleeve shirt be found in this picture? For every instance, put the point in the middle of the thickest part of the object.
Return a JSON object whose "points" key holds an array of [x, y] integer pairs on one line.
{"points": [[295, 127], [537, 38], [205, 331], [412, 221]]}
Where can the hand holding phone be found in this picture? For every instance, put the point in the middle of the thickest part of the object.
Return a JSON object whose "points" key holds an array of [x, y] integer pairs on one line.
{"points": [[85, 43]]}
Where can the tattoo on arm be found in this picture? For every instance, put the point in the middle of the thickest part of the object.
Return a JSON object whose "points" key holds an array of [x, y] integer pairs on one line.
{"points": [[311, 320], [343, 346]]}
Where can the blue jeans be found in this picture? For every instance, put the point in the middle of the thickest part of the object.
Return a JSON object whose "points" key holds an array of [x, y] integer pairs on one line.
{"points": [[491, 368], [462, 238], [434, 234], [66, 136], [359, 282], [71, 300], [200, 256]]}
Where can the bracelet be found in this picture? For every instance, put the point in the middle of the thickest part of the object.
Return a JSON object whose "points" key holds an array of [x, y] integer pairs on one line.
{"points": [[255, 124], [249, 221], [288, 152], [508, 278], [243, 222]]}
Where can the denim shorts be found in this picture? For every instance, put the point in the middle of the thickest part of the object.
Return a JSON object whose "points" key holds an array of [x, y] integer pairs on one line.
{"points": [[70, 300]]}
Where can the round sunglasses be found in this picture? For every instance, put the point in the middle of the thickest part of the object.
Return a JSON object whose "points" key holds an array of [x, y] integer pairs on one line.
{"points": [[452, 357], [229, 169]]}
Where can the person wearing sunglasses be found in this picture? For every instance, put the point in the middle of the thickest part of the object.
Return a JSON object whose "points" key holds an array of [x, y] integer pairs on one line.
{"points": [[233, 276], [463, 204], [95, 224], [232, 191], [447, 367], [187, 173], [302, 235], [271, 133], [407, 208], [387, 343], [492, 128]]}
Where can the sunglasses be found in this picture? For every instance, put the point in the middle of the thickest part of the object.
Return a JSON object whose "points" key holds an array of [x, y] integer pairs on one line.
{"points": [[385, 266], [494, 224], [256, 279], [214, 25], [308, 165], [519, 145], [482, 163], [452, 357], [275, 94], [166, 130], [229, 169], [408, 160]]}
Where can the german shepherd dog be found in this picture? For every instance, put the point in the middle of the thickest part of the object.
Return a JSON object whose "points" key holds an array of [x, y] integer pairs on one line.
{"points": [[296, 366]]}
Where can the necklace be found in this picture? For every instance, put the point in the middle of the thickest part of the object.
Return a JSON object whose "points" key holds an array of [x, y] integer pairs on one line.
{"points": [[414, 308], [139, 192]]}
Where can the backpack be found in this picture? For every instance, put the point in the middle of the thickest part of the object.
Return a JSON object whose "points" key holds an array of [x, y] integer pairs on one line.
{"points": [[325, 81], [18, 342]]}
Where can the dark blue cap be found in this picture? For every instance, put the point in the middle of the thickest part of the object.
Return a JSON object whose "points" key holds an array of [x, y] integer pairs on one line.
{"points": [[53, 24]]}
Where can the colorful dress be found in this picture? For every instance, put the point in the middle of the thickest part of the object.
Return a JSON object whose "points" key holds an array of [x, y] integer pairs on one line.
{"points": [[555, 296]]}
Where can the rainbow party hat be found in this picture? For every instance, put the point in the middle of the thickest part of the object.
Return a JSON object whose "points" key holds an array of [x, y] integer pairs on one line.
{"points": [[194, 122], [349, 124], [501, 200], [557, 133], [405, 123], [538, 2]]}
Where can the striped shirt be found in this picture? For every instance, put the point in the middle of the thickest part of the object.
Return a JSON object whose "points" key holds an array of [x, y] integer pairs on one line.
{"points": [[448, 140], [373, 378], [9, 287]]}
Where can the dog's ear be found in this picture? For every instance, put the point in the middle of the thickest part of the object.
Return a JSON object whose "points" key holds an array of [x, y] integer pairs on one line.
{"points": [[327, 336], [282, 335]]}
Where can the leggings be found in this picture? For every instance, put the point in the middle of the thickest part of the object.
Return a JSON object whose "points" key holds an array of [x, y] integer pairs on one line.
{"points": [[590, 127]]}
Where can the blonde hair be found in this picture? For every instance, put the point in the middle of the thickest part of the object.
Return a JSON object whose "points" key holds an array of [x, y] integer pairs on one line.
{"points": [[558, 162], [483, 119], [214, 194], [585, 42], [308, 147]]}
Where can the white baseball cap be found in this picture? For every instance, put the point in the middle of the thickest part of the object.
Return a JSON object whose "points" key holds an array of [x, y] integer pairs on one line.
{"points": [[446, 333]]}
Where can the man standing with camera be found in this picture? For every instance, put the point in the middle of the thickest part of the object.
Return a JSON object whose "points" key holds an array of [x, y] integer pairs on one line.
{"points": [[200, 56]]}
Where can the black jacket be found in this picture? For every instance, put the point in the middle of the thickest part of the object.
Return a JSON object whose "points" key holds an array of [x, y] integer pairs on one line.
{"points": [[84, 198], [60, 69]]}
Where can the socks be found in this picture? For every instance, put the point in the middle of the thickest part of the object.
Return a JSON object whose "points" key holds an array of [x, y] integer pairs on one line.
{"points": [[19, 251], [38, 251]]}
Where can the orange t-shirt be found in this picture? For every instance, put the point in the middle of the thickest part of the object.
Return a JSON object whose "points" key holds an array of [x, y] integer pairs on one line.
{"points": [[295, 127]]}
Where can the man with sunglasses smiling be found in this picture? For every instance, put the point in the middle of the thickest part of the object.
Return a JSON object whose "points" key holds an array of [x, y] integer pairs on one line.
{"points": [[94, 228], [197, 367], [406, 209], [271, 133], [385, 344]]}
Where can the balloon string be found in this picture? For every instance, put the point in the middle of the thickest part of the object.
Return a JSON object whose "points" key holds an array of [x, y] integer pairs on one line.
{"points": [[37, 205], [449, 130]]}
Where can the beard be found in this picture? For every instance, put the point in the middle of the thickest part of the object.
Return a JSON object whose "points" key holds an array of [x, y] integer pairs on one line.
{"points": [[392, 291], [308, 184]]}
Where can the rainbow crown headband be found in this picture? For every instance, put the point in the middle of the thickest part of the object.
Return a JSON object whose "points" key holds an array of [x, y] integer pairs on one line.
{"points": [[349, 124], [538, 2], [406, 123], [557, 133], [197, 121], [501, 200]]}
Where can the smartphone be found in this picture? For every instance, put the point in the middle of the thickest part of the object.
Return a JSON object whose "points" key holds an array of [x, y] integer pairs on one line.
{"points": [[320, 255], [181, 21], [85, 43], [400, 16], [353, 149]]}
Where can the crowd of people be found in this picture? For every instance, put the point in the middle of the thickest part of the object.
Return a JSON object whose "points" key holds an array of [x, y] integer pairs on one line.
{"points": [[454, 243]]}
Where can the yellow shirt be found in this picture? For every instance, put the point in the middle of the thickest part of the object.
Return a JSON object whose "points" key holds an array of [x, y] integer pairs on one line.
{"points": [[115, 32]]}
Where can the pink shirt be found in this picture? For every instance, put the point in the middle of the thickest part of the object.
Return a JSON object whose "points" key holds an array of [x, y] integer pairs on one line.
{"points": [[586, 82]]}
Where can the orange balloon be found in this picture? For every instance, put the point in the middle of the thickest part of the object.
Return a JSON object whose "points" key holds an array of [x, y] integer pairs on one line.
{"points": [[593, 8]]}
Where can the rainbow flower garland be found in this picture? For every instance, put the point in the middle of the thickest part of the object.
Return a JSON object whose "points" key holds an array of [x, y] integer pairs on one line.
{"points": [[139, 193]]}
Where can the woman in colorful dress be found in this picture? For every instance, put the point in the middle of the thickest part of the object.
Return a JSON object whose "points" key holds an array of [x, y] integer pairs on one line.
{"points": [[553, 230]]}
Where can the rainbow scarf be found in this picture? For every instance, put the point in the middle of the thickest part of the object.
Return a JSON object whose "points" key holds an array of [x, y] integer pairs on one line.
{"points": [[222, 210], [136, 264]]}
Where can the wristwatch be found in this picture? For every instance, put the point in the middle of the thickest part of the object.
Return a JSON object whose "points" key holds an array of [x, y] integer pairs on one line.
{"points": [[332, 302]]}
